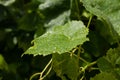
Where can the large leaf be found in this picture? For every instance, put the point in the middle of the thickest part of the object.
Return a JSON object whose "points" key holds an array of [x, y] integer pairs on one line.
{"points": [[107, 9], [66, 66], [60, 39]]}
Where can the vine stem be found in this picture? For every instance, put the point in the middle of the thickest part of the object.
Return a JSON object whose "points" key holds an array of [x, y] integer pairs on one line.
{"points": [[89, 21], [89, 65], [93, 68], [41, 73], [81, 59], [41, 78], [86, 67], [47, 72], [34, 75]]}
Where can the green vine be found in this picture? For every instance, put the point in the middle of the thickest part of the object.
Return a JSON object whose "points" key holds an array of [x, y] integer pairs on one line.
{"points": [[43, 71]]}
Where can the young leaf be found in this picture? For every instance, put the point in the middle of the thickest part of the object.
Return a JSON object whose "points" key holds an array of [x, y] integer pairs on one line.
{"points": [[113, 56], [66, 66], [60, 39]]}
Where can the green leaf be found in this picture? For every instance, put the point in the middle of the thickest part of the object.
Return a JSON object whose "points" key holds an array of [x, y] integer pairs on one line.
{"points": [[106, 9], [3, 64], [60, 39], [66, 66], [104, 76], [59, 20], [56, 12], [110, 62], [113, 56], [106, 31], [104, 65]]}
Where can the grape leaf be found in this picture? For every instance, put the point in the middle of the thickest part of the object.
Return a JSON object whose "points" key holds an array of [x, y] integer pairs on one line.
{"points": [[109, 10], [59, 20], [113, 56], [110, 62], [104, 65], [104, 76], [66, 66], [59, 12], [106, 31], [60, 39]]}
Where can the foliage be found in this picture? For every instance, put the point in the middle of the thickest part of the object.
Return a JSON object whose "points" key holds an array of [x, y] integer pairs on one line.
{"points": [[59, 40]]}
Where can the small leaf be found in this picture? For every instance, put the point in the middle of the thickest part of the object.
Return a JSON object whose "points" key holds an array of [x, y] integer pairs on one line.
{"points": [[104, 76], [66, 66], [113, 56], [60, 39]]}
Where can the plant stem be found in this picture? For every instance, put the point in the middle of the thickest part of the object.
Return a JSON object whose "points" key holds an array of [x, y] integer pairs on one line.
{"points": [[41, 73], [94, 68], [45, 70], [89, 65], [34, 75], [89, 21], [81, 59]]}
